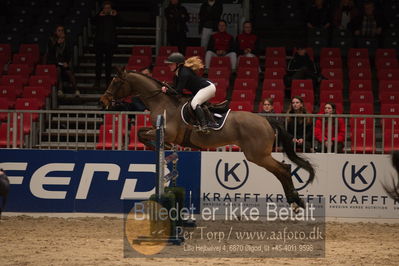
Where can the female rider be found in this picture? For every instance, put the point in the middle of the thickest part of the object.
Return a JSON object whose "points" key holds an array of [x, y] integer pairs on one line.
{"points": [[186, 78]]}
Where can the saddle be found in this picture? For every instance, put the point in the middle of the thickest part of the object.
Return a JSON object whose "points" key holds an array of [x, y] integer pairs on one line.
{"points": [[215, 113]]}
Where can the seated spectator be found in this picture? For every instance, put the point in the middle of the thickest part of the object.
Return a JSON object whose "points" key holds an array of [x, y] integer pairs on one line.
{"points": [[301, 66], [320, 135], [318, 15], [176, 18], [209, 16], [247, 42], [221, 44], [343, 14], [368, 23], [59, 52], [297, 125]]}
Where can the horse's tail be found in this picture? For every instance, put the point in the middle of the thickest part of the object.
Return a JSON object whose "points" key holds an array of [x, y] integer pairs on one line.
{"points": [[393, 191], [286, 141]]}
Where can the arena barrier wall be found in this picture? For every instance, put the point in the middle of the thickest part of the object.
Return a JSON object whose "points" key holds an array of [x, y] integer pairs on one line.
{"points": [[350, 184], [88, 181]]}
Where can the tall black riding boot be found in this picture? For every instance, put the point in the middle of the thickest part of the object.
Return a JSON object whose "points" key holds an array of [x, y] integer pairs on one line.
{"points": [[201, 118]]}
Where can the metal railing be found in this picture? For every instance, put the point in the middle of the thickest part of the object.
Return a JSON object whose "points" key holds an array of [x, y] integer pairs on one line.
{"points": [[54, 129]]}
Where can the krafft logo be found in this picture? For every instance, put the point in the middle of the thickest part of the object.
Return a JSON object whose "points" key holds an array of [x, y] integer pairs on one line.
{"points": [[359, 178], [299, 177], [232, 175]]}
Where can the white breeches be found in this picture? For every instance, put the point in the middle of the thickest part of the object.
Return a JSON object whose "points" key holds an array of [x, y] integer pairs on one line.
{"points": [[203, 95]]}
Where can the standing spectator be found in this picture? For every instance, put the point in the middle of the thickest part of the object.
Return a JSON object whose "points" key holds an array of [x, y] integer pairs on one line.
{"points": [[297, 125], [59, 53], [318, 15], [343, 14], [221, 44], [247, 42], [320, 135], [301, 66], [105, 41], [209, 16], [176, 18], [369, 23]]}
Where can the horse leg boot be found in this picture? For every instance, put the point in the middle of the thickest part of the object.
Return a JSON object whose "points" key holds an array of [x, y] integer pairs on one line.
{"points": [[200, 114]]}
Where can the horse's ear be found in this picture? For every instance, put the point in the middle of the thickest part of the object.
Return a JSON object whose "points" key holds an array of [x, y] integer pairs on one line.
{"points": [[120, 72]]}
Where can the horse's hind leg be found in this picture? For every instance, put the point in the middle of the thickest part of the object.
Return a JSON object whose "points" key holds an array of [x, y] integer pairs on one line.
{"points": [[281, 171]]}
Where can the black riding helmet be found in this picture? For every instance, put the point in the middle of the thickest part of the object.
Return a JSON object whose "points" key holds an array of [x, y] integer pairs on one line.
{"points": [[177, 58]]}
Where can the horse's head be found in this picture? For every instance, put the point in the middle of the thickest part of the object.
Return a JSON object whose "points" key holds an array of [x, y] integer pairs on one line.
{"points": [[118, 88]]}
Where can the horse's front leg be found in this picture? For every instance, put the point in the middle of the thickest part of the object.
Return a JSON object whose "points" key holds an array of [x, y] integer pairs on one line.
{"points": [[147, 136]]}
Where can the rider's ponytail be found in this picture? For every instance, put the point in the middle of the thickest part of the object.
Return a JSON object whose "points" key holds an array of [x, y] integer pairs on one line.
{"points": [[195, 63]]}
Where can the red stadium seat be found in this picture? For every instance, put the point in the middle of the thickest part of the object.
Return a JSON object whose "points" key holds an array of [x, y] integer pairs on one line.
{"points": [[28, 104], [38, 93], [276, 95], [275, 62], [275, 52], [24, 59], [14, 81], [358, 53], [195, 51], [219, 72], [160, 60], [43, 81], [362, 141], [167, 50], [390, 109], [241, 106], [302, 84], [4, 105], [360, 74], [388, 74], [142, 51], [331, 62], [360, 96], [220, 83], [110, 119], [134, 143], [243, 95], [22, 70], [387, 63], [362, 109], [273, 84], [334, 96], [8, 130], [333, 85], [143, 121], [391, 141], [220, 61], [328, 52], [139, 60], [163, 73], [248, 73], [9, 93], [47, 70], [332, 73], [360, 63], [245, 84], [388, 85], [220, 96], [385, 53], [31, 48], [389, 97], [107, 138], [244, 61], [275, 73]]}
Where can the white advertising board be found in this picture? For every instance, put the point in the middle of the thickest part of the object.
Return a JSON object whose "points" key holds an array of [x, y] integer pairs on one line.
{"points": [[350, 184]]}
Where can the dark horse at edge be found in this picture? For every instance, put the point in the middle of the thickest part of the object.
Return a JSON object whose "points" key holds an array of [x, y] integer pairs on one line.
{"points": [[254, 134]]}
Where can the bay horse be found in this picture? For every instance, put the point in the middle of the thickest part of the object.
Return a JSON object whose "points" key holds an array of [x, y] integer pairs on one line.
{"points": [[393, 191], [252, 133]]}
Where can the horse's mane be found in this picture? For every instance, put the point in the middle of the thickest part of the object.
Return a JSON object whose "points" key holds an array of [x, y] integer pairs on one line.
{"points": [[175, 96]]}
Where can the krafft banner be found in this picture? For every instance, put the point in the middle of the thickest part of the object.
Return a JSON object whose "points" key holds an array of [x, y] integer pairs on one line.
{"points": [[349, 185], [89, 181]]}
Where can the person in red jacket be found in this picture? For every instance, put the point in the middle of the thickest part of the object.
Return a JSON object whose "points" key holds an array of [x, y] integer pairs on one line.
{"points": [[336, 138], [247, 42], [221, 44]]}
